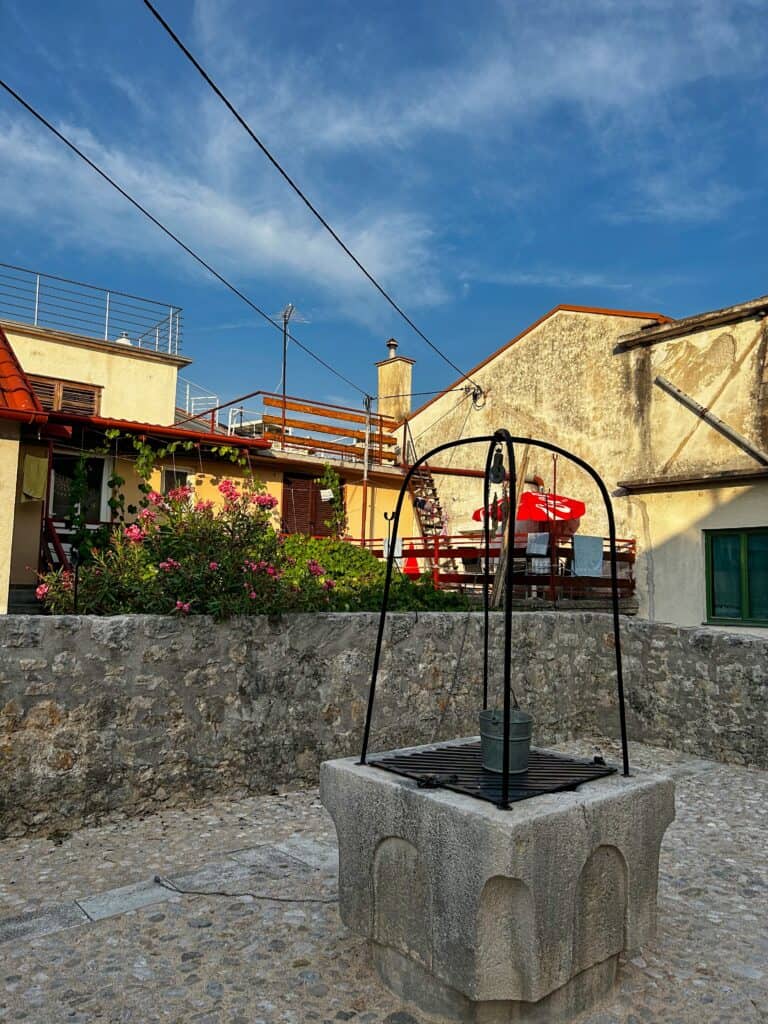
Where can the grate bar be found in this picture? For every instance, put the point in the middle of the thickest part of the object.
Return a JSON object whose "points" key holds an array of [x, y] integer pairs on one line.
{"points": [[460, 769]]}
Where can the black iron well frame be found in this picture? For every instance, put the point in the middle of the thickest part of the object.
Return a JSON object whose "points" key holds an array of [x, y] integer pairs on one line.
{"points": [[502, 437]]}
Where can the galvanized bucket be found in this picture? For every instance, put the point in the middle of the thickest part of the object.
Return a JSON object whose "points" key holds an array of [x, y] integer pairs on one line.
{"points": [[492, 739]]}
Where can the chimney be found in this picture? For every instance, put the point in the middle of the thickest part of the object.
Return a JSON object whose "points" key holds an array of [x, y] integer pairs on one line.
{"points": [[394, 397]]}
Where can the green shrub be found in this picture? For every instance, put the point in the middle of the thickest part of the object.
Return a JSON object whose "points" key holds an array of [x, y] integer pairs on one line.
{"points": [[184, 557]]}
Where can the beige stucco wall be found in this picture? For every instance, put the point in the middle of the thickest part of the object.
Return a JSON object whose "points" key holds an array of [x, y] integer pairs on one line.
{"points": [[563, 383], [136, 385], [381, 498], [9, 462], [26, 523], [670, 566]]}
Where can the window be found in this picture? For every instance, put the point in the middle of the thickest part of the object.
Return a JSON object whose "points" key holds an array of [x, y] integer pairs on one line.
{"points": [[63, 481], [174, 478], [66, 395], [737, 576]]}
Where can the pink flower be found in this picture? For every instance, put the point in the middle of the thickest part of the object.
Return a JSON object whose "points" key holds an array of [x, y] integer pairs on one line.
{"points": [[263, 500], [42, 591], [315, 569], [213, 566], [271, 570], [169, 565], [328, 584], [252, 595], [147, 515], [203, 506], [183, 607], [156, 499], [230, 492], [180, 493], [134, 534]]}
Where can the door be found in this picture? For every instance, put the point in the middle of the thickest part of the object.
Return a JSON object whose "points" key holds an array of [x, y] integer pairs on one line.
{"points": [[304, 510]]}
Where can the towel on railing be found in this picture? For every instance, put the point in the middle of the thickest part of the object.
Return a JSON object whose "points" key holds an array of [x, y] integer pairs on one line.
{"points": [[35, 478], [537, 544], [587, 555]]}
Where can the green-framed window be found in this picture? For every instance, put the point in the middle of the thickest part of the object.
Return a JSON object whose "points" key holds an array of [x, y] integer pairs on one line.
{"points": [[737, 576]]}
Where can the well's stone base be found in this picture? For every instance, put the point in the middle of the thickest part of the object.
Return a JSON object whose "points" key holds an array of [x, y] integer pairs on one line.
{"points": [[490, 916], [412, 983]]}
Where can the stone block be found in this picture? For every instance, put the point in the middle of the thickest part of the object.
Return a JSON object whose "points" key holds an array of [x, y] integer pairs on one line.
{"points": [[483, 915]]}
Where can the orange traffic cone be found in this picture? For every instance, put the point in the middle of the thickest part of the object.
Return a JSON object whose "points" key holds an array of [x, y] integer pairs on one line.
{"points": [[411, 565]]}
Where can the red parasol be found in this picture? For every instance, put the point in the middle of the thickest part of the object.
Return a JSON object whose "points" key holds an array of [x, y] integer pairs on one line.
{"points": [[536, 507], [543, 508]]}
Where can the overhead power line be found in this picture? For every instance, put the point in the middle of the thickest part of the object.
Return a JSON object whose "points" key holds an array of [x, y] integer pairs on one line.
{"points": [[308, 203], [191, 252]]}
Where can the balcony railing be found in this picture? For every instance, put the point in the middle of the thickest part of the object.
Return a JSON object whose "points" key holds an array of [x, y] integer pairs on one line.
{"points": [[301, 426], [58, 303]]}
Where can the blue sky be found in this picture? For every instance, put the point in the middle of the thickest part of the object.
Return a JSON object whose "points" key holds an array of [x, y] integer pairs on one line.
{"points": [[486, 161]]}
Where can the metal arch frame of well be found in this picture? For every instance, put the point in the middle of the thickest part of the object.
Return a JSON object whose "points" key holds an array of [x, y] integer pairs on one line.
{"points": [[502, 437]]}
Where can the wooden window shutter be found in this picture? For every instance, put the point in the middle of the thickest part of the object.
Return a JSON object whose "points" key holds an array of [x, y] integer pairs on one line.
{"points": [[66, 396], [46, 392], [81, 399]]}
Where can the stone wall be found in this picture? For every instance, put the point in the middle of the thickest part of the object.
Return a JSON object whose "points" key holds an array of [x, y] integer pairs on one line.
{"points": [[121, 714]]}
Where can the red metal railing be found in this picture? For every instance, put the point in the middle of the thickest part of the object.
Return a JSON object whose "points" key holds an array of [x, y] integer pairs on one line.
{"points": [[440, 556]]}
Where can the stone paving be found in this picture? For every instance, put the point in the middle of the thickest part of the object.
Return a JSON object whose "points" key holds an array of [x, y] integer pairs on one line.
{"points": [[88, 934]]}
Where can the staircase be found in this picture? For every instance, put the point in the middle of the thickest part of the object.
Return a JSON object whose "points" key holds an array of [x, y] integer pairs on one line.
{"points": [[22, 600], [426, 502]]}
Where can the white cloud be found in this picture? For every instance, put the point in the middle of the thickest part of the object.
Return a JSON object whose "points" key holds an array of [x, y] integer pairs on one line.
{"points": [[546, 278], [244, 235]]}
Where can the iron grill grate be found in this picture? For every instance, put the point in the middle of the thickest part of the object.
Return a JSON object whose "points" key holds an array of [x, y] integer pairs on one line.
{"points": [[459, 767]]}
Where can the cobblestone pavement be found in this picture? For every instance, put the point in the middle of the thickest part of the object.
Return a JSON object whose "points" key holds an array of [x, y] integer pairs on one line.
{"points": [[87, 935]]}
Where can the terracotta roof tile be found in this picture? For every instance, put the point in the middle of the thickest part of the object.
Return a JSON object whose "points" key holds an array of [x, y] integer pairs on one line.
{"points": [[16, 395]]}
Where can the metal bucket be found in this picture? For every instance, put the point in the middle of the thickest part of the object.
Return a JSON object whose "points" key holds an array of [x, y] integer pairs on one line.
{"points": [[492, 739]]}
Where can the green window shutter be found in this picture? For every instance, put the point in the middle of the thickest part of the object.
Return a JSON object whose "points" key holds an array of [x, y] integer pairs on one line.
{"points": [[726, 575], [757, 575]]}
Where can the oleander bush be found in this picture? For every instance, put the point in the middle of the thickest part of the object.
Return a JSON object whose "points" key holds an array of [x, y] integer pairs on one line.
{"points": [[184, 557]]}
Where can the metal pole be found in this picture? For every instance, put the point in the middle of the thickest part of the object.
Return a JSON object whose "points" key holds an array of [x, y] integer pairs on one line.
{"points": [[106, 321], [363, 525], [37, 296], [287, 313], [170, 330]]}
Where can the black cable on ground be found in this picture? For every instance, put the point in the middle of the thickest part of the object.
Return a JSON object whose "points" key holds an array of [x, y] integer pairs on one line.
{"points": [[166, 883]]}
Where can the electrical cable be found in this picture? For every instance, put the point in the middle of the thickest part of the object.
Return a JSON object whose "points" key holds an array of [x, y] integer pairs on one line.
{"points": [[307, 202], [199, 259], [166, 883]]}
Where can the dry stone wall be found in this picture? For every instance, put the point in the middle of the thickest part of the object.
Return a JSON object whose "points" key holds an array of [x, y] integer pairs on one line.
{"points": [[104, 715]]}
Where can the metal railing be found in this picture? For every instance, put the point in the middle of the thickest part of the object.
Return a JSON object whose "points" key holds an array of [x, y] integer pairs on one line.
{"points": [[194, 398], [58, 303]]}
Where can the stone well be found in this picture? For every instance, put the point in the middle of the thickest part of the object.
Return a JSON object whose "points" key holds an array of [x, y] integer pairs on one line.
{"points": [[485, 915]]}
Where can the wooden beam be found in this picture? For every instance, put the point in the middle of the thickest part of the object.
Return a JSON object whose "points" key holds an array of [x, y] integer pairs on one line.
{"points": [[328, 412], [714, 421], [328, 428], [318, 445]]}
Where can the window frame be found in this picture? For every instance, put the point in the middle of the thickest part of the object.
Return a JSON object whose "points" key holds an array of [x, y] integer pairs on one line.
{"points": [[190, 480], [743, 533], [58, 384]]}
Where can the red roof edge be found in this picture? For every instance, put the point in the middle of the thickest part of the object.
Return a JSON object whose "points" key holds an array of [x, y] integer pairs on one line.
{"points": [[17, 399], [156, 430], [563, 307]]}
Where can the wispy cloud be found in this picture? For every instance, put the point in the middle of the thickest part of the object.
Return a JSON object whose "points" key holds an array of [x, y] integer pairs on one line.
{"points": [[546, 278]]}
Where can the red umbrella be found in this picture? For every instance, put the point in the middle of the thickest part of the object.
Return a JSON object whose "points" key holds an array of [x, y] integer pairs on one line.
{"points": [[496, 511], [536, 507], [543, 508]]}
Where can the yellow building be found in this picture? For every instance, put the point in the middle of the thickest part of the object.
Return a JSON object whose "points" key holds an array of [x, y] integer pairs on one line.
{"points": [[65, 393], [674, 416]]}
